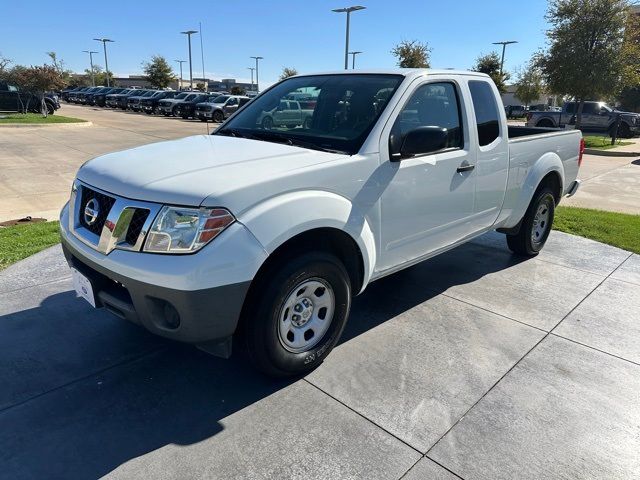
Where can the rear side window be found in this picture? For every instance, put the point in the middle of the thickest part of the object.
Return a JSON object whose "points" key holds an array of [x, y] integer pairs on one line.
{"points": [[484, 104]]}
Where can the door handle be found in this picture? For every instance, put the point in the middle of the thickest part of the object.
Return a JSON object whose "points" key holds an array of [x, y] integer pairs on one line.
{"points": [[465, 168]]}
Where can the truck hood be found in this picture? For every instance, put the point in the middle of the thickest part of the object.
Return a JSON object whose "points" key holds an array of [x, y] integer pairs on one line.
{"points": [[187, 171]]}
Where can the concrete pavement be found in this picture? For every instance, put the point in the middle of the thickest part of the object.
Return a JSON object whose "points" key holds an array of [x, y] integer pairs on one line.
{"points": [[37, 165], [475, 365]]}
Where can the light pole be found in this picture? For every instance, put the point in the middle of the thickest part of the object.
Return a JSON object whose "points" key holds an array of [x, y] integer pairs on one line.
{"points": [[188, 33], [180, 62], [353, 61], [504, 46], [348, 11], [106, 62], [91, 52], [257, 80], [252, 69]]}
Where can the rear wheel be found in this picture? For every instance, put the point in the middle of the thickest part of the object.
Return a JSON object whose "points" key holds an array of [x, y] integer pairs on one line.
{"points": [[297, 314], [218, 116], [267, 123], [535, 226], [545, 123]]}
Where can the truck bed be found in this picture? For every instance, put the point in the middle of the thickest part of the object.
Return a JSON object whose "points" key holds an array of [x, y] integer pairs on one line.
{"points": [[515, 131]]}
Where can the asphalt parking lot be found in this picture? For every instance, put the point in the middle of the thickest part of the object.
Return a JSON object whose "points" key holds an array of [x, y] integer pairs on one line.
{"points": [[474, 365]]}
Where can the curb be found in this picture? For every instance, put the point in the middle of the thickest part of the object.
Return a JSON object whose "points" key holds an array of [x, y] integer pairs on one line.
{"points": [[609, 153], [45, 125]]}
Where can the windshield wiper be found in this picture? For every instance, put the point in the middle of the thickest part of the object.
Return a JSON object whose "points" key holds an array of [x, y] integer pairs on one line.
{"points": [[272, 136]]}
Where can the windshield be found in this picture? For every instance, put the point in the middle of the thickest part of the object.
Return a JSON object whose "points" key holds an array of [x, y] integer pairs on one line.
{"points": [[181, 96], [337, 113], [220, 99], [149, 93]]}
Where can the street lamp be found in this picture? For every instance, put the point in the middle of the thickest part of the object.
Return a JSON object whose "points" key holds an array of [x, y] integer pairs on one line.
{"points": [[180, 62], [252, 69], [353, 61], [348, 11], [504, 46], [106, 62], [257, 81], [91, 52], [188, 33]]}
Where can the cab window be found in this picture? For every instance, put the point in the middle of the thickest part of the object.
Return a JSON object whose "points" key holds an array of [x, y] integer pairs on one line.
{"points": [[486, 109], [431, 105]]}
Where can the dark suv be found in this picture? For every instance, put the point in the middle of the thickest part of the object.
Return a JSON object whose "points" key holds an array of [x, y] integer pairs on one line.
{"points": [[99, 99], [149, 105], [12, 99], [122, 101], [133, 102], [187, 109]]}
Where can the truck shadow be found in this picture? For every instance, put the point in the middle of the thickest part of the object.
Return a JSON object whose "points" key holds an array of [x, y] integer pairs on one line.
{"points": [[84, 393]]}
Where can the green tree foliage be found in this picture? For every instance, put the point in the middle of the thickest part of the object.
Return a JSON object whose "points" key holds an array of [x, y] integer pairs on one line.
{"points": [[490, 64], [529, 83], [587, 58], [288, 72], [158, 72], [59, 65], [100, 76], [412, 54], [237, 90]]}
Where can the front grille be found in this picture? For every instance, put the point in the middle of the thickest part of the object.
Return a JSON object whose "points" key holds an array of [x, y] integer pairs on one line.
{"points": [[203, 108], [135, 226], [104, 202]]}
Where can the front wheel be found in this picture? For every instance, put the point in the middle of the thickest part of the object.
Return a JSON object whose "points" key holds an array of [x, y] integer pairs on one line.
{"points": [[536, 225], [218, 116], [297, 314]]}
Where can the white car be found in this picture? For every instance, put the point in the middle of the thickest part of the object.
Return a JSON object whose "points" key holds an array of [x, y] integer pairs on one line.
{"points": [[268, 234]]}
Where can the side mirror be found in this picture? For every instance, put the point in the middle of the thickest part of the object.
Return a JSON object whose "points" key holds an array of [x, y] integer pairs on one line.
{"points": [[422, 140]]}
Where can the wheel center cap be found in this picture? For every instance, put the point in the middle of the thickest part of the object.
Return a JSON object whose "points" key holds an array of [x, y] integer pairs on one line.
{"points": [[303, 312]]}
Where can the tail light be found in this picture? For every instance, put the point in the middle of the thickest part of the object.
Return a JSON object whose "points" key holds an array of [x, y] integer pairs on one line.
{"points": [[580, 155]]}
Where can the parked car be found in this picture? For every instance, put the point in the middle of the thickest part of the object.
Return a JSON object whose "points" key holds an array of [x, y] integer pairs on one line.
{"points": [[111, 99], [167, 106], [99, 99], [516, 111], [149, 105], [13, 99], [220, 107], [133, 101], [287, 114], [122, 101], [81, 97], [64, 94], [89, 98], [268, 234], [187, 108], [596, 117]]}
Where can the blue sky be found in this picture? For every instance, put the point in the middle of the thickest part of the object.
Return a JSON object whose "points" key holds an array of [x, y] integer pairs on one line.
{"points": [[304, 34]]}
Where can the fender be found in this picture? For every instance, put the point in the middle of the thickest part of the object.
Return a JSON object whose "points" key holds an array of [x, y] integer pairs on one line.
{"points": [[549, 162], [280, 218]]}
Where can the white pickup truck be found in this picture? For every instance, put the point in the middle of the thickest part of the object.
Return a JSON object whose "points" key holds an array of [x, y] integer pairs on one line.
{"points": [[265, 234]]}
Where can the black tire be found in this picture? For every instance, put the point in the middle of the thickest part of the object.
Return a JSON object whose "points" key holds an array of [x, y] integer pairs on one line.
{"points": [[307, 123], [50, 108], [218, 116], [624, 131], [545, 123], [530, 239], [261, 321], [267, 123]]}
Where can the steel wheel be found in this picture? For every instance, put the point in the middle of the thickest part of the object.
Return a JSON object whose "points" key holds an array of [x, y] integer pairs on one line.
{"points": [[306, 315], [540, 224]]}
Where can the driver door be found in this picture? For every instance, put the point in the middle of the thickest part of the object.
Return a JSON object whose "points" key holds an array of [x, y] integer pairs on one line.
{"points": [[429, 201]]}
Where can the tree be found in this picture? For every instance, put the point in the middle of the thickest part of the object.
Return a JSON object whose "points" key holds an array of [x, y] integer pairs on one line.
{"points": [[38, 80], [490, 64], [99, 75], [412, 54], [288, 72], [4, 65], [59, 66], [236, 90], [529, 84], [586, 58], [158, 72]]}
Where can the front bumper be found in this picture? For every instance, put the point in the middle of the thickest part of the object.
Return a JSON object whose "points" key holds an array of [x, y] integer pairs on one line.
{"points": [[193, 298]]}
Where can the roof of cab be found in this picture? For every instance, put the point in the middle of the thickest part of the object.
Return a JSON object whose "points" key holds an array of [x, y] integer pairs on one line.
{"points": [[406, 72]]}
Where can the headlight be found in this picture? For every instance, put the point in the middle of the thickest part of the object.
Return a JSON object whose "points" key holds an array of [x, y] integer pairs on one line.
{"points": [[186, 230]]}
